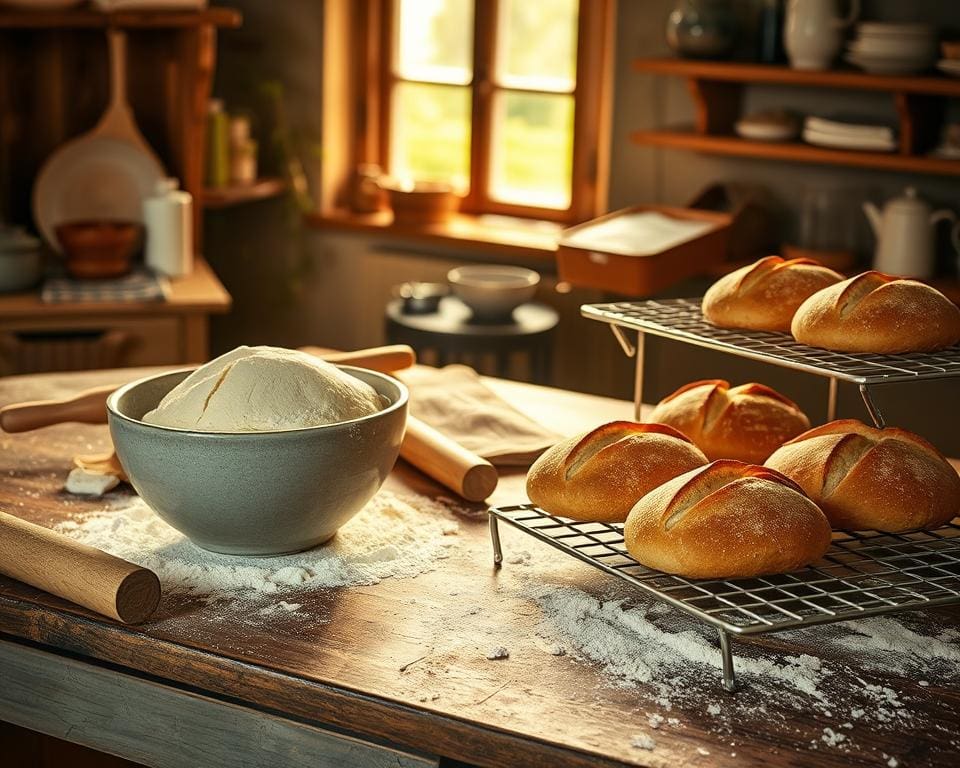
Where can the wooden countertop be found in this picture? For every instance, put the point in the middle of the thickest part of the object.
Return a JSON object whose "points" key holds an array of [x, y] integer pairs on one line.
{"points": [[404, 661], [199, 292]]}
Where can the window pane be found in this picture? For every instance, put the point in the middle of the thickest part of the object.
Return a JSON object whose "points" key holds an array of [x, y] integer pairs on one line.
{"points": [[435, 40], [537, 44], [430, 133], [532, 155]]}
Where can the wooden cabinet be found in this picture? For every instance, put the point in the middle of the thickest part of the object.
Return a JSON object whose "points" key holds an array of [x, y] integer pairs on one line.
{"points": [[37, 337]]}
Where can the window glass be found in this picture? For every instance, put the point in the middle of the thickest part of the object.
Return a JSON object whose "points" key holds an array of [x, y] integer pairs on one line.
{"points": [[532, 152], [537, 44], [430, 136], [435, 41]]}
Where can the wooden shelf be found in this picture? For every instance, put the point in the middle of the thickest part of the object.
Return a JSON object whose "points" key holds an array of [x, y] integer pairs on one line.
{"points": [[227, 197], [717, 89], [733, 146], [498, 236], [737, 72], [86, 17]]}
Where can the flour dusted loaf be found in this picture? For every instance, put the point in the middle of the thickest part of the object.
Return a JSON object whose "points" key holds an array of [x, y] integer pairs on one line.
{"points": [[874, 312], [871, 479], [764, 296], [726, 520], [600, 475], [746, 423]]}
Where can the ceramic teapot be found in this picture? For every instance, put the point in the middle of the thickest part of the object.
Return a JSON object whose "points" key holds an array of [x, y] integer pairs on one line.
{"points": [[813, 34], [905, 235]]}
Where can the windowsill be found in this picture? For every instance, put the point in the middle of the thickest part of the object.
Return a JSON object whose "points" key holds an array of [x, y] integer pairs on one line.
{"points": [[502, 236]]}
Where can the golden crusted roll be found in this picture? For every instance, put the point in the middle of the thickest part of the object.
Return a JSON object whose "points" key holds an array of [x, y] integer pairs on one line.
{"points": [[763, 296], [726, 520], [601, 474], [746, 423], [874, 312], [865, 478]]}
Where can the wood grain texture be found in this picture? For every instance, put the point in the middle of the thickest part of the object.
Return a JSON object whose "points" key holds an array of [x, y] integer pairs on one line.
{"points": [[167, 727], [404, 661]]}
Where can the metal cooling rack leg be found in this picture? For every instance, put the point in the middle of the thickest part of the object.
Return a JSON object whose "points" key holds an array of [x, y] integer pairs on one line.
{"points": [[832, 400], [638, 380], [495, 539], [871, 407], [726, 654]]}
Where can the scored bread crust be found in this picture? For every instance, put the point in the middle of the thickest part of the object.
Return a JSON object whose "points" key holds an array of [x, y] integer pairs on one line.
{"points": [[726, 520], [874, 312], [872, 479], [764, 296], [746, 423], [599, 475]]}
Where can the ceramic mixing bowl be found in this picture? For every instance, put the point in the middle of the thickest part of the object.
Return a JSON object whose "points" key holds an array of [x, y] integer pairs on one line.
{"points": [[256, 493], [493, 291]]}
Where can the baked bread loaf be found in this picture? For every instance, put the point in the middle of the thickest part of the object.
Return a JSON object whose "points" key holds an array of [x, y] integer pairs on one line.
{"points": [[874, 312], [746, 423], [601, 474], [726, 520], [763, 296], [871, 479]]}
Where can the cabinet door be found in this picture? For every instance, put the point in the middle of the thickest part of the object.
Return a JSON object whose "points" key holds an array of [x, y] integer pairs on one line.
{"points": [[34, 345]]}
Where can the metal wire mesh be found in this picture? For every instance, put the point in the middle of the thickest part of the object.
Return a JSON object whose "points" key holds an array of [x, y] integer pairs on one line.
{"points": [[862, 574], [681, 319]]}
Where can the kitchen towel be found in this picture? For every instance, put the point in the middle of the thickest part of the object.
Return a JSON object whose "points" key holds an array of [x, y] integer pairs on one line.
{"points": [[135, 287], [455, 401]]}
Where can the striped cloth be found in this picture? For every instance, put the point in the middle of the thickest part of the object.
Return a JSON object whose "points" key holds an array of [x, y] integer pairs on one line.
{"points": [[135, 287]]}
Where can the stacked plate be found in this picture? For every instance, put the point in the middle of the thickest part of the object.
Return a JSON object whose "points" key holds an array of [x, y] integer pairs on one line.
{"points": [[849, 134], [949, 66], [884, 48]]}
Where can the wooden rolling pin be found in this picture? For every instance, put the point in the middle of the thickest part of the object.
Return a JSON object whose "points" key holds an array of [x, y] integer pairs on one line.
{"points": [[90, 406], [448, 462], [54, 563]]}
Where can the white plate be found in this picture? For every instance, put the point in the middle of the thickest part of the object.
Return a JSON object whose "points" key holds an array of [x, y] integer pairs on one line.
{"points": [[898, 48], [100, 178], [838, 141], [886, 65], [891, 29], [950, 66], [765, 131]]}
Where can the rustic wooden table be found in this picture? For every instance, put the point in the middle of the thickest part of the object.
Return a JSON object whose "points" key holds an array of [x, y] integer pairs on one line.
{"points": [[396, 673]]}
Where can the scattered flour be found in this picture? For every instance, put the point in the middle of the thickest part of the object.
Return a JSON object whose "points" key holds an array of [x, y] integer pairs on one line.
{"points": [[649, 645], [393, 536], [643, 741]]}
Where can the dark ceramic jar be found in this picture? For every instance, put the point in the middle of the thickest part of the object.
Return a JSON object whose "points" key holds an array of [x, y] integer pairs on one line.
{"points": [[702, 29]]}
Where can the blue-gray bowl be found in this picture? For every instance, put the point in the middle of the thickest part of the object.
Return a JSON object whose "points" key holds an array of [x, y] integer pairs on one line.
{"points": [[256, 493]]}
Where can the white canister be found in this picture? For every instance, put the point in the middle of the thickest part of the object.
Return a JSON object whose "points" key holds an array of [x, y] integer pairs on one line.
{"points": [[168, 217]]}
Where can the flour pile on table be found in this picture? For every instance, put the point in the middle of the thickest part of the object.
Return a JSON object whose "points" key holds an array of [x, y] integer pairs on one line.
{"points": [[393, 536]]}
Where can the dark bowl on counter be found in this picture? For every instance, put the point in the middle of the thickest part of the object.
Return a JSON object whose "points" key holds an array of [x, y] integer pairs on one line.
{"points": [[99, 249]]}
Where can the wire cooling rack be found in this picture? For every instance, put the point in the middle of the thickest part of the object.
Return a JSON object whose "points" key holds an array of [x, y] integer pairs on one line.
{"points": [[682, 320], [862, 574]]}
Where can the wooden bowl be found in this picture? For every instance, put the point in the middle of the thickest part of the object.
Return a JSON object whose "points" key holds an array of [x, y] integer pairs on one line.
{"points": [[421, 202], [99, 249]]}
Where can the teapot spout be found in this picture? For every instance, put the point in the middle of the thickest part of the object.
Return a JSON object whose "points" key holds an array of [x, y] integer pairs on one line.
{"points": [[873, 216]]}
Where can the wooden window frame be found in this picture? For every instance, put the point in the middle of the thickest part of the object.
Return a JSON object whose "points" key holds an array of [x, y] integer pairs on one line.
{"points": [[374, 78]]}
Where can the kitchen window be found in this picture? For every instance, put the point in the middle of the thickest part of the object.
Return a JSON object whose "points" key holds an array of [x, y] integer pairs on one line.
{"points": [[504, 99]]}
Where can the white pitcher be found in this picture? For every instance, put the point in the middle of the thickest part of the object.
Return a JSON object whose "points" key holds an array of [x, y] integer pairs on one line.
{"points": [[905, 232], [813, 34]]}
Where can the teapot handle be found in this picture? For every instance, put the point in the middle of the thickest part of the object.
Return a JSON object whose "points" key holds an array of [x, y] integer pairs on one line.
{"points": [[851, 17]]}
